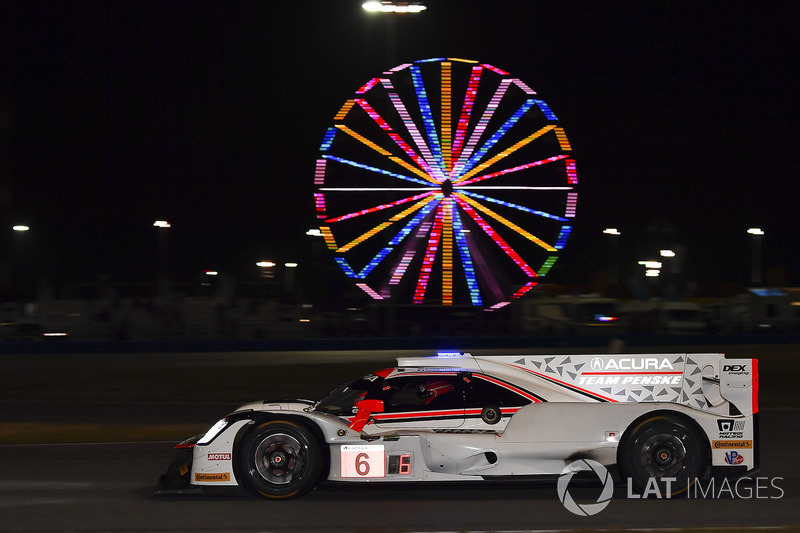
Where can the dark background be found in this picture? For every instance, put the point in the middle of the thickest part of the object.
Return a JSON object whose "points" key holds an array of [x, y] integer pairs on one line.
{"points": [[682, 117]]}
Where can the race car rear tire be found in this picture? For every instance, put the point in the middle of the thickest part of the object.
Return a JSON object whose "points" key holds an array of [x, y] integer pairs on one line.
{"points": [[280, 459], [663, 456]]}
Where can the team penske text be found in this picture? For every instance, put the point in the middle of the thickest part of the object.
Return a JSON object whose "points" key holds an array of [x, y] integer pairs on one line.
{"points": [[633, 380]]}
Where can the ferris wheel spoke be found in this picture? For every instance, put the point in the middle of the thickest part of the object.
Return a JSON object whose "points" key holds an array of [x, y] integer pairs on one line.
{"points": [[466, 113], [374, 169], [469, 171], [416, 221], [367, 270], [480, 207], [496, 136], [411, 127], [462, 182], [446, 116], [480, 127], [383, 225], [377, 207], [427, 118], [466, 259], [423, 170], [401, 267], [510, 252], [513, 206], [447, 252], [427, 261]]}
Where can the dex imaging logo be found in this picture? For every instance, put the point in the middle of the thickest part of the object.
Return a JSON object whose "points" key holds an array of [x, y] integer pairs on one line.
{"points": [[585, 509]]}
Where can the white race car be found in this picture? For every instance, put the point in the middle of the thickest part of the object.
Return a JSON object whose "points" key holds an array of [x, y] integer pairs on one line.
{"points": [[668, 419]]}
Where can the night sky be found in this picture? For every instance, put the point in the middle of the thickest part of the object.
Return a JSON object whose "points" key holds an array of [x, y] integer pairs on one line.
{"points": [[683, 118]]}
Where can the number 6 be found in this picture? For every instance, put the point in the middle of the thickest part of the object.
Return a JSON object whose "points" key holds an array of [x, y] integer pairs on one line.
{"points": [[362, 464]]}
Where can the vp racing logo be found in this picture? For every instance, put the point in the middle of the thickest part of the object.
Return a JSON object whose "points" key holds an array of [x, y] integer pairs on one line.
{"points": [[585, 509]]}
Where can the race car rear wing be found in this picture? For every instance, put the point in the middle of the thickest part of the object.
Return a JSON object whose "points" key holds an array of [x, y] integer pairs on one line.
{"points": [[738, 383]]}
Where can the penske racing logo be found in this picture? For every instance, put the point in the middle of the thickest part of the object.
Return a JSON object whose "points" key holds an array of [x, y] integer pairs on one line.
{"points": [[630, 371]]}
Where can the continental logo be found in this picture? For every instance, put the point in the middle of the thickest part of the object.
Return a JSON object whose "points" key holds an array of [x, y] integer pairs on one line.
{"points": [[222, 476], [726, 444], [219, 457]]}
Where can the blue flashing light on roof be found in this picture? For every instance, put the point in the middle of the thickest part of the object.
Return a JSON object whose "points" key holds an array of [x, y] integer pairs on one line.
{"points": [[449, 354]]}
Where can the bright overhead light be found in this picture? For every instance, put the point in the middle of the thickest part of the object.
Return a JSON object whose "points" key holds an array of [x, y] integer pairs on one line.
{"points": [[651, 264], [265, 264], [162, 224], [667, 253], [393, 7], [652, 273], [314, 232], [755, 231], [611, 231], [21, 228], [290, 265]]}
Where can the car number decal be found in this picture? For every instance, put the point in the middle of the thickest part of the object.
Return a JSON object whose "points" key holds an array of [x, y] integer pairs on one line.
{"points": [[363, 461]]}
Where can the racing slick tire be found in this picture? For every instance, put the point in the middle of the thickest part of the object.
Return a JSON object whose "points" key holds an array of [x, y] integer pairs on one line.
{"points": [[280, 459], [663, 456]]}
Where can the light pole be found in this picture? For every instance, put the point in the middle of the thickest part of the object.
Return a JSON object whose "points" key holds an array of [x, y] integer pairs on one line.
{"points": [[755, 274], [613, 255], [163, 247]]}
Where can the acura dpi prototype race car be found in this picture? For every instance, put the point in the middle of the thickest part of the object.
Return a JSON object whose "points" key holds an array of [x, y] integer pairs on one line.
{"points": [[670, 417]]}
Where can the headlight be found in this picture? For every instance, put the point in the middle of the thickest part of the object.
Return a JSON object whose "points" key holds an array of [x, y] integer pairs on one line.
{"points": [[215, 430]]}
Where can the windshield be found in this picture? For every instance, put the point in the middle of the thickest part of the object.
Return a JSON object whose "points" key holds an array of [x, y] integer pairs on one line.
{"points": [[341, 401]]}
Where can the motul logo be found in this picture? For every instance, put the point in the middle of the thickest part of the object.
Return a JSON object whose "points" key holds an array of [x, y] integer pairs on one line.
{"points": [[219, 457]]}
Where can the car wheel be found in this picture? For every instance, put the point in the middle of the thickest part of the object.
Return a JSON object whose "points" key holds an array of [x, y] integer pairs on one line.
{"points": [[280, 459], [665, 454]]}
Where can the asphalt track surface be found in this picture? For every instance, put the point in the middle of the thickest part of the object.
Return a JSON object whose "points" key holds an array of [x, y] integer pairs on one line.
{"points": [[109, 487]]}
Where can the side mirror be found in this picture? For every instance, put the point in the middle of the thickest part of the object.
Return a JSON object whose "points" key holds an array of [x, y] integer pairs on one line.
{"points": [[365, 410]]}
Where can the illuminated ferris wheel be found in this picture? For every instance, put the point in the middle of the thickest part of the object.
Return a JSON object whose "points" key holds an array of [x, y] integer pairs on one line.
{"points": [[447, 182]]}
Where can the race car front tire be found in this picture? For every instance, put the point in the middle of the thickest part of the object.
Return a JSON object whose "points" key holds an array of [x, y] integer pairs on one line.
{"points": [[663, 456], [280, 459]]}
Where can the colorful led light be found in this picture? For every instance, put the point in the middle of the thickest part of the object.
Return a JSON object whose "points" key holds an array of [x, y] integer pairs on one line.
{"points": [[510, 252], [483, 122], [401, 268], [506, 222], [447, 111], [466, 112], [501, 155], [464, 181], [513, 206], [319, 173], [524, 289], [366, 288], [448, 150]]}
